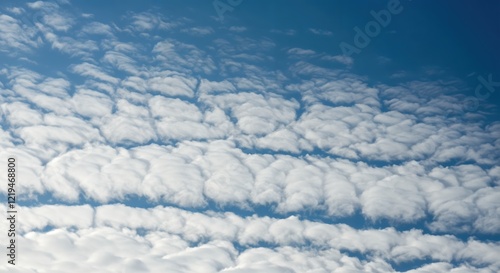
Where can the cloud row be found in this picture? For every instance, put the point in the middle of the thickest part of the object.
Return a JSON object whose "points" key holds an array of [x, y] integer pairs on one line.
{"points": [[460, 198], [119, 238], [303, 108], [308, 137], [227, 126], [341, 117]]}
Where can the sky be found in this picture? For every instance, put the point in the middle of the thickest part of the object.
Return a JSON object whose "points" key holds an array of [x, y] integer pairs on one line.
{"points": [[251, 136]]}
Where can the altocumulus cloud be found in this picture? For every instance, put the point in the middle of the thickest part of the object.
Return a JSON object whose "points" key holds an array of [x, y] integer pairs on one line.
{"points": [[148, 142]]}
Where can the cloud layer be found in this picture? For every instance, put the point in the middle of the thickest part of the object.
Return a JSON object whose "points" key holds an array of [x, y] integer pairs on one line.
{"points": [[208, 123], [114, 238]]}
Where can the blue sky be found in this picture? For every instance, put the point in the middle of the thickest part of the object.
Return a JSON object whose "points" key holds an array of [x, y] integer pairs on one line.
{"points": [[241, 136]]}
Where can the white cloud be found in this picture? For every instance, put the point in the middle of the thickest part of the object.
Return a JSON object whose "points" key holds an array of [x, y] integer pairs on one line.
{"points": [[128, 126], [68, 131], [15, 10], [175, 243], [199, 31], [207, 86], [193, 173], [280, 140], [93, 71], [341, 117], [172, 85], [321, 32], [394, 198], [97, 28], [50, 14], [146, 21], [92, 104], [121, 62], [182, 57], [255, 113], [223, 126], [189, 122], [58, 21], [301, 52], [21, 114], [30, 158], [15, 36], [339, 59]]}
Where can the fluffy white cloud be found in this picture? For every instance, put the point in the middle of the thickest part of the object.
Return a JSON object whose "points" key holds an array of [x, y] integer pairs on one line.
{"points": [[127, 114], [15, 35], [182, 57], [146, 21], [199, 242], [194, 173], [257, 114], [172, 85], [93, 71]]}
